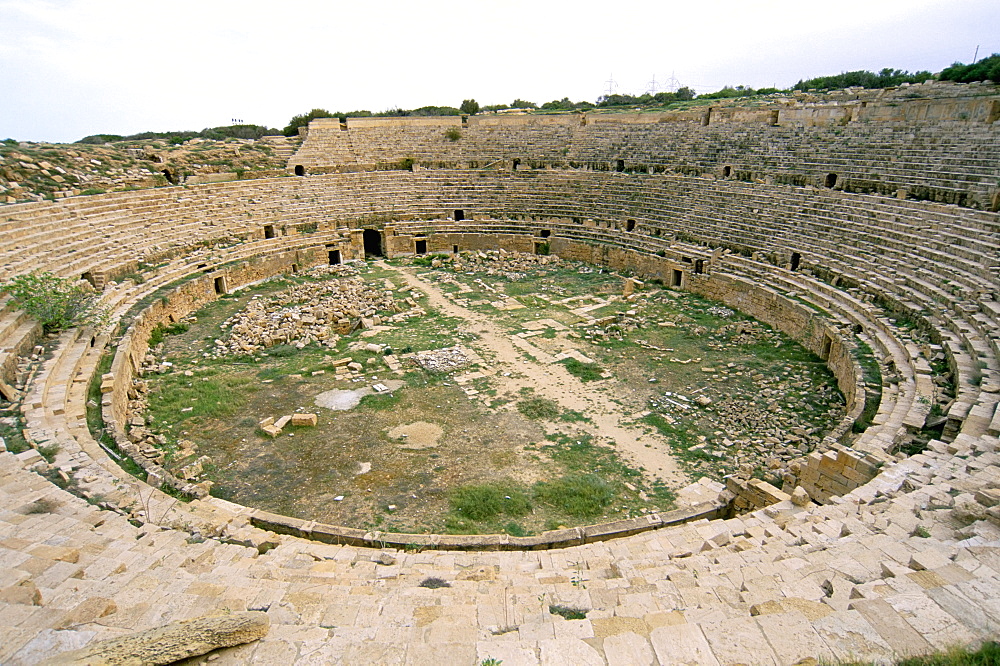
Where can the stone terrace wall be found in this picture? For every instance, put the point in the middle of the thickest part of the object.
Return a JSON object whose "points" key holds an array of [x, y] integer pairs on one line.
{"points": [[905, 563], [909, 145]]}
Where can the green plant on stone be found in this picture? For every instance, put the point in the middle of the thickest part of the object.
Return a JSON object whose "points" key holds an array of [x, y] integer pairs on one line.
{"points": [[49, 451], [56, 302], [568, 612], [434, 583]]}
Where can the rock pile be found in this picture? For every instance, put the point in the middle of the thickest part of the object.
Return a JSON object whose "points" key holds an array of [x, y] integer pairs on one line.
{"points": [[35, 171], [511, 266], [764, 432], [744, 333], [312, 312], [443, 360]]}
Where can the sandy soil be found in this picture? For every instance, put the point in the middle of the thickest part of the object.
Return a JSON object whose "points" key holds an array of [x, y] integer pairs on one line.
{"points": [[553, 381]]}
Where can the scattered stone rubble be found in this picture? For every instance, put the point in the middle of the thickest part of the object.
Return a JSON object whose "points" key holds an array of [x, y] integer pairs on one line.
{"points": [[34, 171], [510, 266], [743, 333], [443, 360], [761, 432], [273, 427], [312, 312]]}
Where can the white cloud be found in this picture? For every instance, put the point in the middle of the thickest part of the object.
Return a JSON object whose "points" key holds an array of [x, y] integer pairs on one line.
{"points": [[75, 67]]}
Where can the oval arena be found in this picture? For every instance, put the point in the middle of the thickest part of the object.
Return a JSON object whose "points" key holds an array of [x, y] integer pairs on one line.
{"points": [[847, 220]]}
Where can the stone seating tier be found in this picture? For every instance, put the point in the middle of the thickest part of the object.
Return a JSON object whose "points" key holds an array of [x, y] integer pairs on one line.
{"points": [[905, 563]]}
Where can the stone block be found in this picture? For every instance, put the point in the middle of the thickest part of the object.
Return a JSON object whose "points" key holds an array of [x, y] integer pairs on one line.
{"points": [[682, 644], [629, 648], [26, 593], [793, 638], [988, 496], [928, 559], [800, 497], [29, 457], [851, 637], [58, 553], [304, 420]]}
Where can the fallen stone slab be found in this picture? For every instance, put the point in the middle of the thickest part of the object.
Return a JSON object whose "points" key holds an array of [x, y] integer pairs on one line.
{"points": [[173, 642], [304, 419]]}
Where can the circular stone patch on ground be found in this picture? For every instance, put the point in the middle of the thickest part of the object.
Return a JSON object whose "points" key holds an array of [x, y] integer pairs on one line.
{"points": [[418, 435]]}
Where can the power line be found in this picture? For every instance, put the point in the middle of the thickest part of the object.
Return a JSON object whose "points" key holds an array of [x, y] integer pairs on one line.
{"points": [[612, 86]]}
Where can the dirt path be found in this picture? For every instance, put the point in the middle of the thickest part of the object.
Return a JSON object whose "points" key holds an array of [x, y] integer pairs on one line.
{"points": [[553, 381]]}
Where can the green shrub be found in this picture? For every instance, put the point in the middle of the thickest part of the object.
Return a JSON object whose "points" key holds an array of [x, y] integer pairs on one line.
{"points": [[987, 68], [56, 302], [282, 351], [453, 134], [862, 78], [514, 529], [585, 372], [579, 495], [568, 612], [43, 505], [160, 332], [987, 655], [433, 583], [539, 408], [482, 502], [469, 107]]}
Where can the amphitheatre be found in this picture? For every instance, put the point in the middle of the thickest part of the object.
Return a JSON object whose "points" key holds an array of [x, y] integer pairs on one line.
{"points": [[863, 224]]}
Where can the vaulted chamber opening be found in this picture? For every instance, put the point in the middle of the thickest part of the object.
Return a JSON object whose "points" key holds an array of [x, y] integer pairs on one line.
{"points": [[373, 243]]}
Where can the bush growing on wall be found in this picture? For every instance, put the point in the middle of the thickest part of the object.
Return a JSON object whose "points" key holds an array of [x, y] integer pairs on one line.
{"points": [[469, 107], [56, 302], [301, 120], [862, 78], [985, 69]]}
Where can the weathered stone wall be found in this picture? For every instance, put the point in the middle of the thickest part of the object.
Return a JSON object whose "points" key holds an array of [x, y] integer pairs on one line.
{"points": [[784, 140], [752, 494], [831, 474], [564, 538], [798, 322], [936, 110], [174, 306]]}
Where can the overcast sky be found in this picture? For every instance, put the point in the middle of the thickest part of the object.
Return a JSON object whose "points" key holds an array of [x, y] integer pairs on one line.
{"points": [[69, 68]]}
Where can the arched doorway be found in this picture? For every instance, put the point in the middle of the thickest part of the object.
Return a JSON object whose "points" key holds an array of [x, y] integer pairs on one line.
{"points": [[373, 243]]}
